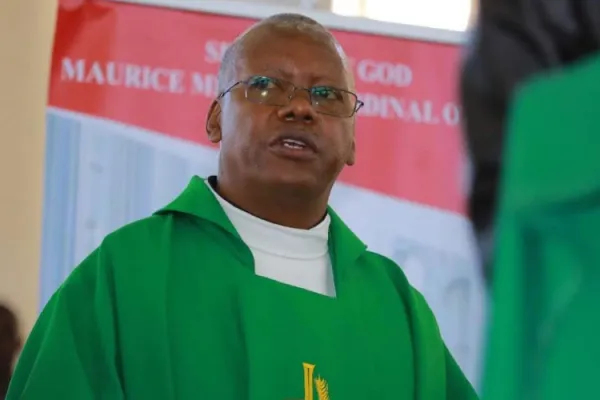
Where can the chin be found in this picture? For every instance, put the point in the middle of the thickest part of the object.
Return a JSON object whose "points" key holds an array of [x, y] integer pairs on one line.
{"points": [[299, 180]]}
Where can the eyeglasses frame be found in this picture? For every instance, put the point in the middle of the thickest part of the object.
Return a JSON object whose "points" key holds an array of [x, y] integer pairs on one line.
{"points": [[358, 105]]}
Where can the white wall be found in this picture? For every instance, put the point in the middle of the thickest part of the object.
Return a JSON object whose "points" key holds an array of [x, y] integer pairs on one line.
{"points": [[315, 4], [440, 14]]}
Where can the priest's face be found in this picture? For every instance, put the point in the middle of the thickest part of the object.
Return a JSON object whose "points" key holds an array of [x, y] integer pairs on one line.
{"points": [[274, 133]]}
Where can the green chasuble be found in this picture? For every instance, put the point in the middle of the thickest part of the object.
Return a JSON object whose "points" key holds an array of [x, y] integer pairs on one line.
{"points": [[545, 330], [169, 307]]}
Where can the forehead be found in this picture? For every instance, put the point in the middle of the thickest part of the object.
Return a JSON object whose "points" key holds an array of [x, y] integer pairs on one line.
{"points": [[292, 55]]}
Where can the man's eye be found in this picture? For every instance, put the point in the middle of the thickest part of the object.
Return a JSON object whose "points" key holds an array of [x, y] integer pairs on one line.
{"points": [[261, 82], [326, 93]]}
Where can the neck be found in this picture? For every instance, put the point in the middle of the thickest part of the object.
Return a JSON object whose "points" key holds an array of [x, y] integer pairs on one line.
{"points": [[291, 207]]}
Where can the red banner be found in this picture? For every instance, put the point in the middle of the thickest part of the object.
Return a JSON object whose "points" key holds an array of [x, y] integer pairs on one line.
{"points": [[157, 68]]}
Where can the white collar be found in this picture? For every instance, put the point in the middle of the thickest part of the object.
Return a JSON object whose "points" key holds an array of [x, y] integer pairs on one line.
{"points": [[275, 239]]}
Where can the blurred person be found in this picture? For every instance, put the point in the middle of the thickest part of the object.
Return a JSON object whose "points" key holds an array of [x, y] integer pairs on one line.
{"points": [[545, 323], [9, 346], [533, 71], [248, 286], [513, 41]]}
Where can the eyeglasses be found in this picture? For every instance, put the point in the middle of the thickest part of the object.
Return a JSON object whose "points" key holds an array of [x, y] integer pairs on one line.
{"points": [[276, 92]]}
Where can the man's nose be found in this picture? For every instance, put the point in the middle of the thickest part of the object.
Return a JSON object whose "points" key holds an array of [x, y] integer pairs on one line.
{"points": [[299, 108]]}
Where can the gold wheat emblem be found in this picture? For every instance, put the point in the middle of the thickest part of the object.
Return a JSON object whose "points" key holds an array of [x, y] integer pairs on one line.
{"points": [[322, 388]]}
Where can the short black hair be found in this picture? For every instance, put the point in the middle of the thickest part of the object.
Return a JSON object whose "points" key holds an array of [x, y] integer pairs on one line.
{"points": [[8, 323], [288, 21]]}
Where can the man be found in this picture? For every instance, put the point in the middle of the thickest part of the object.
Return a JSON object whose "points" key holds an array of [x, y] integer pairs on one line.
{"points": [[9, 346], [247, 286]]}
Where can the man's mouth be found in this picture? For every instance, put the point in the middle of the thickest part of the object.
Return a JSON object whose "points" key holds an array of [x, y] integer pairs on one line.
{"points": [[295, 147], [294, 144]]}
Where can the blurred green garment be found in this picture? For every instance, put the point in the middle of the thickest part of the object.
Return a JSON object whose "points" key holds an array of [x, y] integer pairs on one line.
{"points": [[545, 323]]}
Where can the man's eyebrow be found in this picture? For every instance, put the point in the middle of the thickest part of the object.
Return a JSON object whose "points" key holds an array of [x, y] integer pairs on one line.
{"points": [[317, 80], [277, 72]]}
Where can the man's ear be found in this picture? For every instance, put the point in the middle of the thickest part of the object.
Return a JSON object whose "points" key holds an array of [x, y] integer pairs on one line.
{"points": [[213, 122], [352, 156]]}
